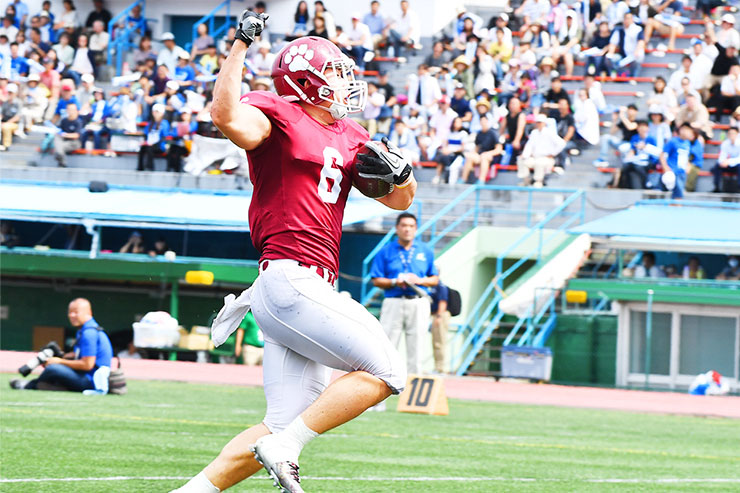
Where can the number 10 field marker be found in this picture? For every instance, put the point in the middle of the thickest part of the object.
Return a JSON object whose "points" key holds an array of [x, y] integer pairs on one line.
{"points": [[424, 395]]}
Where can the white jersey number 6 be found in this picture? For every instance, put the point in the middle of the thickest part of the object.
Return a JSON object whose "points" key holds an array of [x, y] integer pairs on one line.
{"points": [[331, 176]]}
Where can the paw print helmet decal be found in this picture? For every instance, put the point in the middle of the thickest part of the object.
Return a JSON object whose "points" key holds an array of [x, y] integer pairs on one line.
{"points": [[313, 69]]}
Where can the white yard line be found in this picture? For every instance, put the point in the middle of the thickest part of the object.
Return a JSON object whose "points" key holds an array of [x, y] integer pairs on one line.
{"points": [[397, 479]]}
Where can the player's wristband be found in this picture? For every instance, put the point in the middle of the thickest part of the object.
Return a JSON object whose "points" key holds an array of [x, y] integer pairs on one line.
{"points": [[406, 183]]}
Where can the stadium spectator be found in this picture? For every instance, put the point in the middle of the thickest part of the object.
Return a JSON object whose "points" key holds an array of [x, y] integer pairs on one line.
{"points": [[565, 126], [555, 94], [658, 129], [87, 367], [501, 52], [263, 59], [696, 115], [99, 13], [675, 161], [693, 269], [482, 107], [35, 100], [539, 39], [639, 160], [516, 121], [729, 93], [376, 22], [83, 62], [144, 51], [360, 41], [674, 81], [169, 54], [464, 74], [68, 19], [202, 42], [597, 61], [399, 265], [501, 23], [667, 21], [728, 35], [68, 139], [36, 44], [648, 269], [731, 272], [483, 66], [405, 32], [439, 125], [439, 56], [488, 149], [728, 162], [532, 11], [129, 352], [702, 60], [538, 155], [160, 247], [184, 72], [662, 97], [65, 52], [10, 113], [98, 43], [403, 137], [319, 27], [156, 133], [373, 107], [627, 46], [461, 104], [566, 42], [623, 120], [450, 155], [725, 56], [95, 127], [8, 237], [301, 19], [18, 63], [8, 28], [586, 118], [423, 89], [331, 25], [134, 244]]}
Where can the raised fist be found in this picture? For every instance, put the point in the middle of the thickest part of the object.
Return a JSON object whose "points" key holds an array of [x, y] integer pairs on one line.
{"points": [[250, 26]]}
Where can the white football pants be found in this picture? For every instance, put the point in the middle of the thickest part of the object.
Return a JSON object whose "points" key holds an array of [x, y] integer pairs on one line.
{"points": [[310, 328]]}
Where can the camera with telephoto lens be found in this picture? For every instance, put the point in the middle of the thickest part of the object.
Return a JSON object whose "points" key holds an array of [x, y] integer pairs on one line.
{"points": [[51, 349]]}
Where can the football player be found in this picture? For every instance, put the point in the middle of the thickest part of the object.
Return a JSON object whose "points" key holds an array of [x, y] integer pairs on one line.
{"points": [[301, 150]]}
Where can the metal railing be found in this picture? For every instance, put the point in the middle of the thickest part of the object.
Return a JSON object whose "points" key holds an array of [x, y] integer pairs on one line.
{"points": [[472, 215], [210, 18], [121, 41], [481, 323]]}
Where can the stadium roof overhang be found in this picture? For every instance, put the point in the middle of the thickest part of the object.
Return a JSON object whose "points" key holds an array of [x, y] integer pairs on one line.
{"points": [[139, 207], [666, 225]]}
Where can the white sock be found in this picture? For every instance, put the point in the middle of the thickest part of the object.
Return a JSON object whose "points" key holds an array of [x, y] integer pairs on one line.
{"points": [[199, 484], [296, 436]]}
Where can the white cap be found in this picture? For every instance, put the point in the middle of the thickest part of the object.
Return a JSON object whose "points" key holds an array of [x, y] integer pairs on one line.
{"points": [[12, 87], [158, 108], [504, 17], [34, 77], [184, 55], [729, 18], [540, 118], [168, 36], [87, 78], [172, 85]]}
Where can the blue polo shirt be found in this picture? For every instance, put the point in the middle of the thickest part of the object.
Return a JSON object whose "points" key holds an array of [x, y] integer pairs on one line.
{"points": [[678, 151], [93, 342], [393, 260]]}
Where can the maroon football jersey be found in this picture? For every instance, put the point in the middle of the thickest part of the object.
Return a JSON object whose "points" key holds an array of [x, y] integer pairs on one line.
{"points": [[301, 176]]}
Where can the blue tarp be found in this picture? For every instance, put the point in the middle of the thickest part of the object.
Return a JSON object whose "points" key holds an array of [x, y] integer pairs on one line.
{"points": [[145, 207], [670, 225]]}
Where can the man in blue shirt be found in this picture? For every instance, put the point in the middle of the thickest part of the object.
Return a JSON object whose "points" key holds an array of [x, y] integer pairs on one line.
{"points": [[675, 161], [641, 158], [405, 269], [87, 367]]}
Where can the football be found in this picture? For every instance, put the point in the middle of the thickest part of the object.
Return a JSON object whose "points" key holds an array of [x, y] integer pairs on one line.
{"points": [[370, 187]]}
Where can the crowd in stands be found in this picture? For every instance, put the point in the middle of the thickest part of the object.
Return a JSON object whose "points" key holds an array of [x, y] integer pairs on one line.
{"points": [[484, 98], [649, 269]]}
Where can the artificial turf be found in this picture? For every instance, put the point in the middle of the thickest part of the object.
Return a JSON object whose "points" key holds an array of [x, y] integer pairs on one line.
{"points": [[171, 430]]}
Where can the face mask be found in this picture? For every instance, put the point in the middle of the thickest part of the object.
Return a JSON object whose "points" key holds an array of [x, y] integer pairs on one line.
{"points": [[732, 262]]}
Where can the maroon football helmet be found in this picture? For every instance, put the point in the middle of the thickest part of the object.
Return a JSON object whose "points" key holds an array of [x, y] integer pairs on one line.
{"points": [[329, 73]]}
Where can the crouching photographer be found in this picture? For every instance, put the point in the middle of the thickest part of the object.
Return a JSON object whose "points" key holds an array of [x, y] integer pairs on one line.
{"points": [[85, 369]]}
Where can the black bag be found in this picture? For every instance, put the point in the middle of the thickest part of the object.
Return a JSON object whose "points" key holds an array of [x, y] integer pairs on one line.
{"points": [[454, 302], [117, 380]]}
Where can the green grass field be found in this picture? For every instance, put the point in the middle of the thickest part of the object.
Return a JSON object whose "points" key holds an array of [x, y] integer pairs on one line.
{"points": [[166, 430]]}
